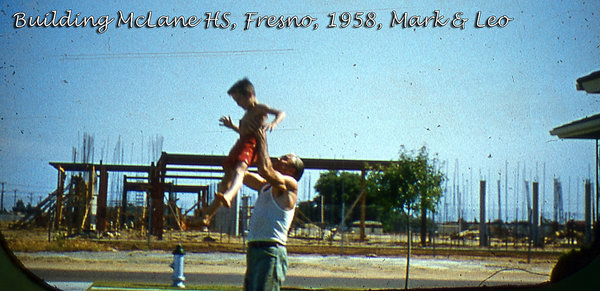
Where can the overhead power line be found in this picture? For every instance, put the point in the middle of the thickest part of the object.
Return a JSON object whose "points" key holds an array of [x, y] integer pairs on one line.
{"points": [[170, 54]]}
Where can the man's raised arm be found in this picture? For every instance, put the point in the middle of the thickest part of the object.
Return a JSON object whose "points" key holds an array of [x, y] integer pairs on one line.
{"points": [[264, 164]]}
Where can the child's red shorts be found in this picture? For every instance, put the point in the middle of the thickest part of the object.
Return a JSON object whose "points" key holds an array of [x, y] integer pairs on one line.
{"points": [[242, 151]]}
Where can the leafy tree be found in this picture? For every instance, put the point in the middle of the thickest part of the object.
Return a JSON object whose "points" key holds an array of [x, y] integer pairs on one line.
{"points": [[396, 185], [20, 206], [396, 222], [330, 186], [413, 183]]}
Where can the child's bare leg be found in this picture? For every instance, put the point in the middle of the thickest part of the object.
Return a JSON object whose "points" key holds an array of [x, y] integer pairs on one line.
{"points": [[237, 180], [210, 211]]}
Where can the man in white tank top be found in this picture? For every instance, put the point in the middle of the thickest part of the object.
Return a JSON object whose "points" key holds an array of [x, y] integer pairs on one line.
{"points": [[266, 258]]}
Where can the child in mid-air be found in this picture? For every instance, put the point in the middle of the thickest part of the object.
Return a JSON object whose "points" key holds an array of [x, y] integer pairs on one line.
{"points": [[242, 154]]}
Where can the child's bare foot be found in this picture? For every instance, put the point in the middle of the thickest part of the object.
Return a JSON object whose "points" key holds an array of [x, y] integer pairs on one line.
{"points": [[206, 221], [223, 199]]}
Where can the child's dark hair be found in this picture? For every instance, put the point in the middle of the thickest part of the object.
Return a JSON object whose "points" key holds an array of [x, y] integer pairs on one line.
{"points": [[243, 87]]}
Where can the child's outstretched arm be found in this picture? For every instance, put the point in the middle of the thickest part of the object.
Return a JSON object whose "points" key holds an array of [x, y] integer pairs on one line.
{"points": [[279, 116], [226, 121]]}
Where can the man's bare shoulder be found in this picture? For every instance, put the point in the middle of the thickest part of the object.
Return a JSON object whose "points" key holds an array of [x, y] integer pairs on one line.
{"points": [[291, 183]]}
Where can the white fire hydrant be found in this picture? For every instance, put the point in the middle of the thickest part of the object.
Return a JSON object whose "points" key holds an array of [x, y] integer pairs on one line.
{"points": [[177, 267]]}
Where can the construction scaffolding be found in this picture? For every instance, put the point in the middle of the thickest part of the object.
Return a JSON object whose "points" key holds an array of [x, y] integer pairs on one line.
{"points": [[154, 181]]}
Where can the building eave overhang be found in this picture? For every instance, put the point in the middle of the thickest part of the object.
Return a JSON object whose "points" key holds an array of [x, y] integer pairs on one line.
{"points": [[585, 128]]}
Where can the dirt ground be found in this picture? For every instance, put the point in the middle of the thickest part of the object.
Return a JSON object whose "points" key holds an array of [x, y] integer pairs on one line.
{"points": [[437, 272], [214, 253], [35, 240]]}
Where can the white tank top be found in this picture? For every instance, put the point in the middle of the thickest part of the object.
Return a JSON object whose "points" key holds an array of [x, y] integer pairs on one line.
{"points": [[269, 223]]}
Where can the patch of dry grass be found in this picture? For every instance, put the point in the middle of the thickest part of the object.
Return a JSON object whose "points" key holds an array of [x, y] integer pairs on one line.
{"points": [[59, 245], [36, 240]]}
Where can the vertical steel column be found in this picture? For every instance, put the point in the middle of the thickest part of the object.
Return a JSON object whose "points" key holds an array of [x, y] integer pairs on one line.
{"points": [[2, 198], [89, 217], [588, 211], [535, 221], [102, 197], [124, 203], [157, 204], [363, 206], [60, 189], [483, 239]]}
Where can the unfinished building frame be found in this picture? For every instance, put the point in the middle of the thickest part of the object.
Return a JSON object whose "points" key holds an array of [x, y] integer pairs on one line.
{"points": [[158, 181]]}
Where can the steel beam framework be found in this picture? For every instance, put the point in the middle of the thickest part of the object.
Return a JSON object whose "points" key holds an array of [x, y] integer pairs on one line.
{"points": [[206, 167]]}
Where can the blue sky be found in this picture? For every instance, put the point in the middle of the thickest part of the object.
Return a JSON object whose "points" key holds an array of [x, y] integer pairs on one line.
{"points": [[485, 97]]}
